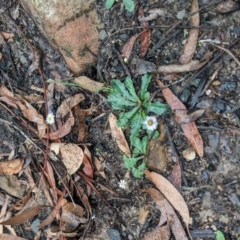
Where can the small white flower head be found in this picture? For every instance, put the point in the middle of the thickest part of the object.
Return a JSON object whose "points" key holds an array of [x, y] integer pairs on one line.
{"points": [[50, 119], [123, 184], [151, 123]]}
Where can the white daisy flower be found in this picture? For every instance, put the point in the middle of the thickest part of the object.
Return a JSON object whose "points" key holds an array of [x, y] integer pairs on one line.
{"points": [[151, 123], [123, 184], [50, 119]]}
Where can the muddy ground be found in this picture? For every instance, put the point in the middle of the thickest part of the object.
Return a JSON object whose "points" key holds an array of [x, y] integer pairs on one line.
{"points": [[211, 186]]}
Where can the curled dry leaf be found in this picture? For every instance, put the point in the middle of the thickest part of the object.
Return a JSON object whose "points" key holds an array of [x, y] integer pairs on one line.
{"points": [[154, 13], [72, 216], [87, 169], [160, 233], [88, 84], [176, 176], [191, 44], [23, 216], [190, 130], [27, 109], [167, 214], [181, 116], [66, 106], [118, 135], [7, 35], [36, 61], [146, 35], [10, 237], [127, 48], [11, 167], [72, 155], [7, 96], [64, 130], [34, 98], [140, 66], [82, 128], [81, 194], [157, 153], [99, 167], [171, 194], [12, 186], [53, 214]]}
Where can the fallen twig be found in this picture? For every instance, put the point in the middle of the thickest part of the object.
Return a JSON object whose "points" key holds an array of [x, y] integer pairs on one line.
{"points": [[227, 51]]}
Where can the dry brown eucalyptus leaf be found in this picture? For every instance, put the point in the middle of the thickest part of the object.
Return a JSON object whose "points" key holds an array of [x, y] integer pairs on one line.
{"points": [[118, 135], [171, 194], [191, 44], [11, 167], [167, 214]]}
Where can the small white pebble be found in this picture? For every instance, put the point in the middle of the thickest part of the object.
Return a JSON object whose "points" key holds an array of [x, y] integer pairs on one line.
{"points": [[208, 92], [189, 154]]}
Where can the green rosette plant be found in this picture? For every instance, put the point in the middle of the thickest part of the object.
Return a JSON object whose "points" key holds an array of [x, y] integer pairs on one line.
{"points": [[134, 114]]}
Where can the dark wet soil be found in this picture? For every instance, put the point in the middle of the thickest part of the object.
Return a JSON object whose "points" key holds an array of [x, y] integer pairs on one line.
{"points": [[211, 186]]}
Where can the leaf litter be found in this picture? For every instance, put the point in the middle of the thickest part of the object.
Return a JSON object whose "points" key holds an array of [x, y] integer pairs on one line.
{"points": [[171, 194], [118, 135], [71, 155], [190, 130], [168, 216]]}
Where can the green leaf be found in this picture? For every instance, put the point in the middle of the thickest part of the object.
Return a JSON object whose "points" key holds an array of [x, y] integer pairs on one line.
{"points": [[135, 152], [130, 162], [144, 144], [129, 5], [146, 78], [124, 118], [142, 166], [118, 101], [136, 142], [109, 3], [131, 89], [138, 172], [136, 124], [155, 134], [120, 88], [146, 97], [219, 235], [156, 107]]}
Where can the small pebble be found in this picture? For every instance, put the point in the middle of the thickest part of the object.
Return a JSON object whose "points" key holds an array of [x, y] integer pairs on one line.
{"points": [[102, 34], [214, 228], [113, 234], [181, 14], [189, 154], [208, 92], [205, 176]]}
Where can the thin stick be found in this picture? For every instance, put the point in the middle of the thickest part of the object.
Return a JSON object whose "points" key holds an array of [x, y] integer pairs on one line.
{"points": [[227, 51], [210, 80]]}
